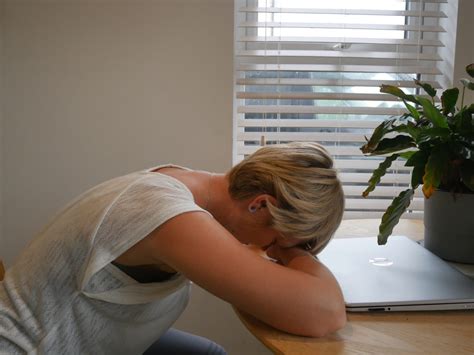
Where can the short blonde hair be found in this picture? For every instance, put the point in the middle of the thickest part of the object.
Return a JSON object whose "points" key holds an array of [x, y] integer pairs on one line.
{"points": [[310, 199]]}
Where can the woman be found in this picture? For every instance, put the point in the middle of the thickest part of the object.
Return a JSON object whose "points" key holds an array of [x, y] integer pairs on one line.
{"points": [[110, 273]]}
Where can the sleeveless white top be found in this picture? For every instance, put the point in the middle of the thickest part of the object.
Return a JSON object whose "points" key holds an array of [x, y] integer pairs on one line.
{"points": [[63, 295]]}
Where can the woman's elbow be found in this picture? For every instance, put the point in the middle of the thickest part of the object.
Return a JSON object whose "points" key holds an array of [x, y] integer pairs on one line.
{"points": [[313, 321], [328, 320], [334, 321]]}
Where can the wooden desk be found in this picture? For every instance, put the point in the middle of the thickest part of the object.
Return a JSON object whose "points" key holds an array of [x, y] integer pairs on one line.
{"points": [[441, 332]]}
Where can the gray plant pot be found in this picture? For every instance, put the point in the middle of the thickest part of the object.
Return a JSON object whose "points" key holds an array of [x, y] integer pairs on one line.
{"points": [[449, 226]]}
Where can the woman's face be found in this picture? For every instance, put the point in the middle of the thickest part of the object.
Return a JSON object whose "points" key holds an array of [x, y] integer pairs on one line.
{"points": [[256, 227], [263, 236], [247, 232]]}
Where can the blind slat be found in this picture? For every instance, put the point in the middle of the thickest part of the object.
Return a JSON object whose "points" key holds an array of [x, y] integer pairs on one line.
{"points": [[303, 137], [380, 191], [330, 82], [389, 178], [373, 214], [340, 68], [321, 109], [333, 150], [379, 204], [307, 123], [383, 41], [294, 10], [315, 96], [339, 54], [368, 26], [366, 164]]}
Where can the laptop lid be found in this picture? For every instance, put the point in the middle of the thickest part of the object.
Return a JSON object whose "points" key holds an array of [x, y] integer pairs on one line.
{"points": [[399, 276]]}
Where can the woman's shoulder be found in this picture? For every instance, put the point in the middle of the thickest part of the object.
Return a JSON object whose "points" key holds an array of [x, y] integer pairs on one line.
{"points": [[148, 181]]}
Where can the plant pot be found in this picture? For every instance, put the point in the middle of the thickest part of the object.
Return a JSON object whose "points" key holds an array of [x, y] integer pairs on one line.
{"points": [[449, 226]]}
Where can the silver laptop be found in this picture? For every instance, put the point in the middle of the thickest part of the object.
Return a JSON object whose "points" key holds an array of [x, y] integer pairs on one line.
{"points": [[399, 276]]}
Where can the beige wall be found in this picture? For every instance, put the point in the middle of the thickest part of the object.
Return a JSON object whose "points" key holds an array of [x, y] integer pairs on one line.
{"points": [[2, 7], [99, 88]]}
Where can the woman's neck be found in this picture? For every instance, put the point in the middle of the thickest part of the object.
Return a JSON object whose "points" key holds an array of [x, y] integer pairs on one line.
{"points": [[210, 192], [224, 209]]}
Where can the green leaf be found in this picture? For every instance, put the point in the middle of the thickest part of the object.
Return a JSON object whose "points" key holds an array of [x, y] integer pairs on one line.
{"points": [[449, 99], [427, 87], [378, 173], [467, 174], [413, 111], [393, 214], [432, 113], [463, 120], [409, 128], [430, 134], [393, 145], [417, 176], [434, 169], [418, 161], [380, 131], [468, 84], [466, 152], [413, 130], [407, 155], [466, 125], [395, 91], [470, 70], [417, 158]]}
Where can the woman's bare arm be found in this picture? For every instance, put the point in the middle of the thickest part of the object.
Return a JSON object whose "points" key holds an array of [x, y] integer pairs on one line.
{"points": [[302, 298]]}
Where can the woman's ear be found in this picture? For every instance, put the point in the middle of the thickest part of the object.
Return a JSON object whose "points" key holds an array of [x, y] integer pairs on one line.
{"points": [[268, 198], [260, 202]]}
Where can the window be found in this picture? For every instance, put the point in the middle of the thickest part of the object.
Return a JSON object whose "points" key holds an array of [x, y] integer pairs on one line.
{"points": [[310, 70]]}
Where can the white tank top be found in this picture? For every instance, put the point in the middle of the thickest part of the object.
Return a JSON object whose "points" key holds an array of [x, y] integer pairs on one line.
{"points": [[63, 295]]}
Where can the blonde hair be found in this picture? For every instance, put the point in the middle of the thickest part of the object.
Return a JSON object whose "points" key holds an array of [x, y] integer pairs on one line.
{"points": [[310, 199]]}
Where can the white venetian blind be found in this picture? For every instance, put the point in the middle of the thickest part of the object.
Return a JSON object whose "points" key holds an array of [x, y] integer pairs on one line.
{"points": [[310, 70]]}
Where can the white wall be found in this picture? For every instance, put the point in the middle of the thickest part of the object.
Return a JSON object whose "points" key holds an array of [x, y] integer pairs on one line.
{"points": [[459, 48], [464, 54], [449, 39], [99, 88]]}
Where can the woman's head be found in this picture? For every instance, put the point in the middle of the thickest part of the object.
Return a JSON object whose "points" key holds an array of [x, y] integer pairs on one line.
{"points": [[300, 176]]}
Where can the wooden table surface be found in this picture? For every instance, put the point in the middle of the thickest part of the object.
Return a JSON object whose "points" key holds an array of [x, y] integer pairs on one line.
{"points": [[440, 332]]}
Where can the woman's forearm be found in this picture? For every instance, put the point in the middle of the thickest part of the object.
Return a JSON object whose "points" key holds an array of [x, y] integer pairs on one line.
{"points": [[317, 289], [326, 300]]}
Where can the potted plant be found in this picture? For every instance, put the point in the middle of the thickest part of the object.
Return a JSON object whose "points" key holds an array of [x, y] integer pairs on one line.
{"points": [[437, 140]]}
